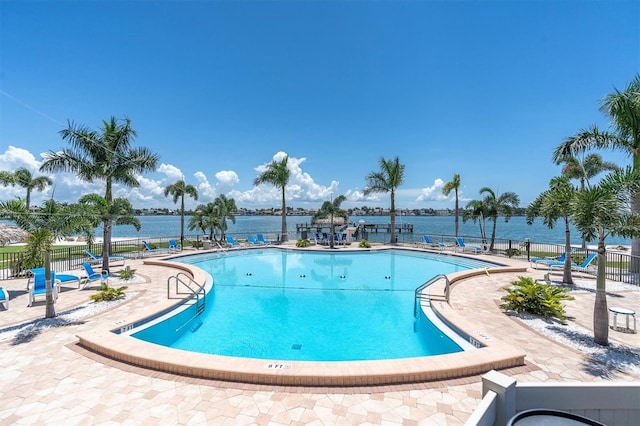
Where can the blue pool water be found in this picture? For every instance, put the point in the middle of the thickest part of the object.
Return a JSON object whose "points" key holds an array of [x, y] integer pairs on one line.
{"points": [[313, 306]]}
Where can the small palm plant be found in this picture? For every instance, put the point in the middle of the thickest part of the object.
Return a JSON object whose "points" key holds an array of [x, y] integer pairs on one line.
{"points": [[536, 298], [107, 294]]}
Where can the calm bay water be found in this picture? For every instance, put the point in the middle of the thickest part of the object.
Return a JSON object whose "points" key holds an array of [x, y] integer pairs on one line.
{"points": [[516, 229]]}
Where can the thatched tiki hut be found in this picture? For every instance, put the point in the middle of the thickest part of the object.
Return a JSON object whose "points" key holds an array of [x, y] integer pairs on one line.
{"points": [[11, 234]]}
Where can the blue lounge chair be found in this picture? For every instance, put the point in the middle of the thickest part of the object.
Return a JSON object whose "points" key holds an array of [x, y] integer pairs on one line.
{"points": [[537, 261], [428, 243], [39, 287], [98, 259], [232, 242], [60, 278], [251, 240], [578, 268], [174, 246], [149, 249], [464, 247], [4, 298], [262, 240], [93, 275]]}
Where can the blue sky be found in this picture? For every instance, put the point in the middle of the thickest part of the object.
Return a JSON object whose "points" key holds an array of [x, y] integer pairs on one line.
{"points": [[219, 89]]}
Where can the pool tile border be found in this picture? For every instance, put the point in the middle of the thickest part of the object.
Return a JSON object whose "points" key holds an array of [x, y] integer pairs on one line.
{"points": [[494, 355]]}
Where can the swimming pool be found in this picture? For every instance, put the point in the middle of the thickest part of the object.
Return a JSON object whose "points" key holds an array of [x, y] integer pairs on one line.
{"points": [[314, 306]]}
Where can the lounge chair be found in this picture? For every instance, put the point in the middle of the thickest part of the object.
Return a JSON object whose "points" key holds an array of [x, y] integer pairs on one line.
{"points": [[537, 261], [251, 240], [460, 243], [232, 242], [93, 275], [426, 241], [4, 298], [39, 287], [262, 240], [583, 267], [98, 259], [174, 246], [149, 249], [60, 278]]}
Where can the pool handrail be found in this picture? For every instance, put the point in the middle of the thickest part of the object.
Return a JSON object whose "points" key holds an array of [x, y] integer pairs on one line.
{"points": [[418, 292]]}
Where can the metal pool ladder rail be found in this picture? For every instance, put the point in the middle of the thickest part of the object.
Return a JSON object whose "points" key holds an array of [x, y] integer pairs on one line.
{"points": [[185, 282], [420, 297]]}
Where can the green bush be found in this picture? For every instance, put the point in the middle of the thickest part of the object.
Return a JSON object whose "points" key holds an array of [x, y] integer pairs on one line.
{"points": [[126, 274], [536, 298], [364, 244], [303, 243], [106, 293]]}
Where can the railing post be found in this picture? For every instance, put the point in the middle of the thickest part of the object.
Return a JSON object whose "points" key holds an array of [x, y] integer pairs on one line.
{"points": [[505, 389]]}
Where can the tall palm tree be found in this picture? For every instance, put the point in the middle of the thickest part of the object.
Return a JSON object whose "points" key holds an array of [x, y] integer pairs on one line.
{"points": [[224, 209], [106, 155], [118, 212], [601, 211], [7, 178], [623, 108], [179, 190], [25, 179], [207, 219], [277, 173], [494, 206], [44, 225], [453, 185], [475, 211], [584, 169], [387, 180], [552, 205], [332, 210]]}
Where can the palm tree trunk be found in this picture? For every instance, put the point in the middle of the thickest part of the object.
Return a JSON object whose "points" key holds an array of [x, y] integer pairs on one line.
{"points": [[457, 214], [393, 219], [634, 264], [600, 311], [106, 239], [182, 223], [566, 277], [284, 218], [493, 232], [50, 311]]}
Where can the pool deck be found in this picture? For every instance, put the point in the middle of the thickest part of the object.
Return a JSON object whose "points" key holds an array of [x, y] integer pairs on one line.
{"points": [[48, 378]]}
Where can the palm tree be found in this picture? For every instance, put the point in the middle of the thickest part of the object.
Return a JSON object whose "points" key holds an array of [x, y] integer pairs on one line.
{"points": [[332, 210], [107, 156], [495, 206], [206, 218], [277, 173], [601, 211], [453, 185], [178, 190], [224, 210], [475, 211], [388, 179], [118, 212], [25, 179], [553, 204], [585, 169], [623, 108], [44, 225]]}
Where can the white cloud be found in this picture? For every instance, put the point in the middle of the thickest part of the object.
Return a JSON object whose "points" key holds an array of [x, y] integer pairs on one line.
{"points": [[433, 192], [14, 158], [226, 180], [206, 192], [358, 196], [173, 173]]}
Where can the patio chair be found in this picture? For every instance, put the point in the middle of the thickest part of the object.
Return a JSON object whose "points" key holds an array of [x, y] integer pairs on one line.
{"points": [[149, 249], [39, 287], [251, 240], [4, 298], [232, 242], [93, 275], [98, 259], [426, 241], [460, 243], [537, 261], [583, 267], [262, 240], [174, 246]]}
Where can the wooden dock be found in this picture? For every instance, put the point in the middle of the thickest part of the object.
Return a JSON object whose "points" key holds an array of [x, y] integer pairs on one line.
{"points": [[367, 227]]}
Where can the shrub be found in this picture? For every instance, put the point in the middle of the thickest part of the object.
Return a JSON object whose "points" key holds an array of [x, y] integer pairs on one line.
{"points": [[364, 244], [303, 243], [536, 298], [106, 293], [126, 273]]}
